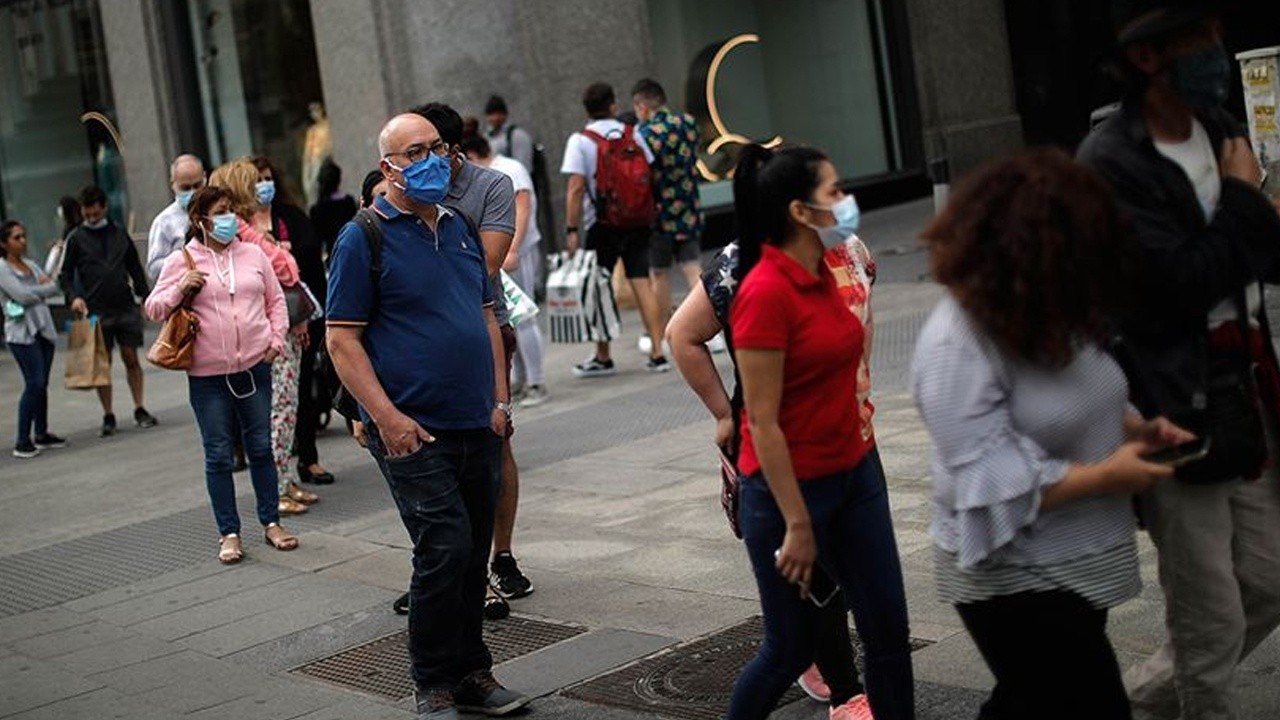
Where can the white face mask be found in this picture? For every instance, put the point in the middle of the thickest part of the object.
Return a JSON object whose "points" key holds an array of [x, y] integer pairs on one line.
{"points": [[847, 217]]}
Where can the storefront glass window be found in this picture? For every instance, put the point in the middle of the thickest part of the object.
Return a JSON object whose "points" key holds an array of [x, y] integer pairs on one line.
{"points": [[56, 114], [260, 86], [806, 71]]}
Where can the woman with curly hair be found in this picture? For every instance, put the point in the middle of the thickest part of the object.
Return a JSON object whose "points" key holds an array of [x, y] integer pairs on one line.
{"points": [[1036, 455], [240, 179]]}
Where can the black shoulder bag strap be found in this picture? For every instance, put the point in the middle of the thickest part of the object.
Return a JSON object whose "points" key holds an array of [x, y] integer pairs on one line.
{"points": [[373, 236]]}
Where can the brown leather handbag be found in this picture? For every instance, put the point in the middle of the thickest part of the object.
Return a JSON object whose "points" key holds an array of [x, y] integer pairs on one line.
{"points": [[175, 346]]}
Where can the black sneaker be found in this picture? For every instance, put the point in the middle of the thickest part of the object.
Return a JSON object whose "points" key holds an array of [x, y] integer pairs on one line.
{"points": [[49, 441], [495, 608], [594, 367], [108, 426], [25, 450], [401, 605], [658, 364], [481, 693], [506, 578], [144, 418], [435, 705]]}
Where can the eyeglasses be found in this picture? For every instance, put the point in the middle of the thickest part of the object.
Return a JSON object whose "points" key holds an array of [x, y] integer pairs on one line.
{"points": [[418, 151]]}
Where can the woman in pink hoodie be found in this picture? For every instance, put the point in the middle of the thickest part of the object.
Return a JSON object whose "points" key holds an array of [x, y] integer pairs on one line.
{"points": [[243, 321], [240, 179]]}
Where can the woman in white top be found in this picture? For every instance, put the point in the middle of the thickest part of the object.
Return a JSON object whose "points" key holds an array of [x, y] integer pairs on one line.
{"points": [[1036, 455], [30, 335]]}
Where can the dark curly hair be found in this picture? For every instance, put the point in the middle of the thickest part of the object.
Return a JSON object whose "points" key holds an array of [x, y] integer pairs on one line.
{"points": [[1032, 248], [201, 203]]}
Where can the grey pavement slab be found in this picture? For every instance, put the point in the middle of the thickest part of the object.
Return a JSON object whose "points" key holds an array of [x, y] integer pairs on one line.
{"points": [[144, 588], [322, 550], [388, 568], [286, 619], [132, 609], [323, 640], [174, 673], [104, 704], [274, 699], [39, 622], [306, 589], [72, 639], [353, 708], [577, 659], [30, 683], [112, 655]]}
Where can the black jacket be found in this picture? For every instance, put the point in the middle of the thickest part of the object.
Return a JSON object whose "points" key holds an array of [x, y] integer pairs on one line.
{"points": [[1183, 266], [98, 266], [303, 244]]}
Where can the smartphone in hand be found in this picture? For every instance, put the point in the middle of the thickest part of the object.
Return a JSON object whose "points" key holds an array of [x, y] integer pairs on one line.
{"points": [[1183, 454]]}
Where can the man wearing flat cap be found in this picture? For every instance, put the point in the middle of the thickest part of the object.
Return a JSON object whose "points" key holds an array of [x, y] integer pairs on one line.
{"points": [[1205, 239]]}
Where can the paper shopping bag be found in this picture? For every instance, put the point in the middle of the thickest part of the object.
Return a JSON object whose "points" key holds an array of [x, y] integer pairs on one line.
{"points": [[88, 363], [604, 324], [520, 306], [569, 279]]}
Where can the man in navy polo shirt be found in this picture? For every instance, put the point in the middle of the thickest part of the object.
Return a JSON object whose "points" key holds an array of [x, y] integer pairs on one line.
{"points": [[424, 360]]}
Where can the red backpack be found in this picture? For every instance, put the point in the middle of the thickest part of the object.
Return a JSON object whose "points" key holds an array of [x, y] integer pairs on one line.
{"points": [[624, 193]]}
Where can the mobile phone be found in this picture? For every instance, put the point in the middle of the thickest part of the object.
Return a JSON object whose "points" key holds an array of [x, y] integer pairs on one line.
{"points": [[1179, 455], [822, 589]]}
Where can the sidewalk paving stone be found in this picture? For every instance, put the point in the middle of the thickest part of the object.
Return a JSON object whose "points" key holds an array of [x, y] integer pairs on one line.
{"points": [[62, 642], [28, 625], [30, 683]]}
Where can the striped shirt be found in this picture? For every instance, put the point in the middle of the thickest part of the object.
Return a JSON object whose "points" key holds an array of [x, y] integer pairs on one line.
{"points": [[1004, 430]]}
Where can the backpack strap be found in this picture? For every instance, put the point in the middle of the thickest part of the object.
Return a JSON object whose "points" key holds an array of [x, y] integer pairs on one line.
{"points": [[373, 236]]}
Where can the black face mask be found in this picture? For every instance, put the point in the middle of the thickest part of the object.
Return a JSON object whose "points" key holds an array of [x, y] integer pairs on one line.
{"points": [[1200, 78]]}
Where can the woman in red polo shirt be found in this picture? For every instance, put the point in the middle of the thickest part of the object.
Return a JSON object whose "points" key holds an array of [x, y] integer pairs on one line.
{"points": [[811, 489]]}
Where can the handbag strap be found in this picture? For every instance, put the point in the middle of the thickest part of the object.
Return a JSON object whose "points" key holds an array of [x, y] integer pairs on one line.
{"points": [[189, 297]]}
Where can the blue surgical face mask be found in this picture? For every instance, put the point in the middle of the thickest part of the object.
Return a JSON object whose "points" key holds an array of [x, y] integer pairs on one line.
{"points": [[184, 198], [1201, 78], [224, 228], [97, 224], [266, 191], [847, 218], [426, 181]]}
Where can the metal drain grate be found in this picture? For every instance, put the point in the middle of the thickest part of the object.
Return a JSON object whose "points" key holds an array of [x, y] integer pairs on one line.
{"points": [[692, 681], [382, 666]]}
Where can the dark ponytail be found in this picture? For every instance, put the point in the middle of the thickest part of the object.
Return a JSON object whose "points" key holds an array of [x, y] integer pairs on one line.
{"points": [[764, 184]]}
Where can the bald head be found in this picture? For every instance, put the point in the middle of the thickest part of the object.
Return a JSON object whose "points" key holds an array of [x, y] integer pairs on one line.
{"points": [[186, 173], [403, 132]]}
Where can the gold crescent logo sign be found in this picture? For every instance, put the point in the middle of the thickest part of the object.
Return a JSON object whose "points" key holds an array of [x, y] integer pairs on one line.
{"points": [[724, 136]]}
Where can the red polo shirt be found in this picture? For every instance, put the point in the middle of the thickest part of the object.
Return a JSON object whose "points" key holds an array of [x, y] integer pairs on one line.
{"points": [[782, 306]]}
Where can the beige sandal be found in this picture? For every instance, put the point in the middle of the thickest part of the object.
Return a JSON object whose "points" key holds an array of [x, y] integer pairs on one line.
{"points": [[280, 540], [229, 549], [289, 506], [297, 494]]}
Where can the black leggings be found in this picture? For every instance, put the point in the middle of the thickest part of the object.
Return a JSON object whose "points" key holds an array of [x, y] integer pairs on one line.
{"points": [[1051, 657]]}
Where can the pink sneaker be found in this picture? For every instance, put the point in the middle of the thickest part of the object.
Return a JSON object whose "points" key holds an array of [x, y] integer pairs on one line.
{"points": [[813, 685], [856, 709]]}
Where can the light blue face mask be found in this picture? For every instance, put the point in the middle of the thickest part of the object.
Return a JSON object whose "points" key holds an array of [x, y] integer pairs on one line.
{"points": [[266, 191], [224, 228], [184, 198], [848, 216]]}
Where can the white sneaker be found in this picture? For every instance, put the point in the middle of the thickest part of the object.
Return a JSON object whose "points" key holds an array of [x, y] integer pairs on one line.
{"points": [[534, 395], [645, 344], [716, 344]]}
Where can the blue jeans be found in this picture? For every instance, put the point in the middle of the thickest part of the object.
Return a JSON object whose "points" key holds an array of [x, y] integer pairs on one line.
{"points": [[854, 533], [219, 411], [446, 493], [34, 360]]}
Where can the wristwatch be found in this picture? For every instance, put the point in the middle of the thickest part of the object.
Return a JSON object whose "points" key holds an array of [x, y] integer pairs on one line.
{"points": [[504, 407]]}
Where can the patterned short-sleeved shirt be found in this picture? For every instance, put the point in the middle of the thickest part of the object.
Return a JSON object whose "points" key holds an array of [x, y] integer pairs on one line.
{"points": [[673, 139]]}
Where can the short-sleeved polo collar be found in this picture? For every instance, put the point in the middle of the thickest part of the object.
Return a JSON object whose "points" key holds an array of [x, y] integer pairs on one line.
{"points": [[794, 271], [383, 207]]}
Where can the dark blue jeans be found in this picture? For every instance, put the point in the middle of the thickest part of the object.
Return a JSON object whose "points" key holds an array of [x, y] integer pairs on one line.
{"points": [[446, 493], [854, 532], [221, 404], [33, 409]]}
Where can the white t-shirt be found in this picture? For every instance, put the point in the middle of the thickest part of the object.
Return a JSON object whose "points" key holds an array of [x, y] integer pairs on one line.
{"points": [[521, 180], [1197, 159], [580, 159]]}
